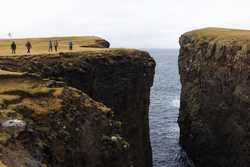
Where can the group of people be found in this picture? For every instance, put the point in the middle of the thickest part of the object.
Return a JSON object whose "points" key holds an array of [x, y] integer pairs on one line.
{"points": [[27, 45], [51, 45]]}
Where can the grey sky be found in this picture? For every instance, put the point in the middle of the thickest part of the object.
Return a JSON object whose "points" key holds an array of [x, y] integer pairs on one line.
{"points": [[125, 23]]}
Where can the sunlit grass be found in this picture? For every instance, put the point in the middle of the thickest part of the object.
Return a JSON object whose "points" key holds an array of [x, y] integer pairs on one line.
{"points": [[221, 34], [40, 45]]}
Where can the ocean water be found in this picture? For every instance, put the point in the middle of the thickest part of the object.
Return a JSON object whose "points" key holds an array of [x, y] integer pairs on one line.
{"points": [[164, 108]]}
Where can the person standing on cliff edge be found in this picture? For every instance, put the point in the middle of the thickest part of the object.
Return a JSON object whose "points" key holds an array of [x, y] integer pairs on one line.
{"points": [[28, 46], [50, 46], [70, 45], [13, 47], [56, 45]]}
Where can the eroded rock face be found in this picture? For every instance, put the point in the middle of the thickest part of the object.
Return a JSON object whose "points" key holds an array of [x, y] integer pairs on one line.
{"points": [[214, 66], [45, 123], [96, 43], [119, 78]]}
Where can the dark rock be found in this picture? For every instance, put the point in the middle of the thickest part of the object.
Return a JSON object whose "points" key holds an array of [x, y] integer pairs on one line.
{"points": [[57, 126], [100, 43], [214, 115], [119, 78]]}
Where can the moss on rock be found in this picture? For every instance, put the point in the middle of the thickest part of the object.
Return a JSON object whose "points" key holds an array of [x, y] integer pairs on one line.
{"points": [[48, 124]]}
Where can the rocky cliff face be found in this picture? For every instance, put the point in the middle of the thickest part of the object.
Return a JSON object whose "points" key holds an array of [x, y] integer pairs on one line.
{"points": [[214, 66], [45, 123], [119, 78]]}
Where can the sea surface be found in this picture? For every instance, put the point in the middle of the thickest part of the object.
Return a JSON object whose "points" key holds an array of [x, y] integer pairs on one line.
{"points": [[164, 108]]}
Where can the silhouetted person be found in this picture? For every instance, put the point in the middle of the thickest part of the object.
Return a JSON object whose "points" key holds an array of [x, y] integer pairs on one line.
{"points": [[70, 45], [50, 46], [28, 46], [13, 47], [56, 45]]}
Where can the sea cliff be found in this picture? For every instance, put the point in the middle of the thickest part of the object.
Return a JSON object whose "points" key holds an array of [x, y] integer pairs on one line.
{"points": [[118, 79], [46, 123], [214, 66]]}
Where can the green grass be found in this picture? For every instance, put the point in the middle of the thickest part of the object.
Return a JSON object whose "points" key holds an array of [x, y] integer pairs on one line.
{"points": [[40, 45]]}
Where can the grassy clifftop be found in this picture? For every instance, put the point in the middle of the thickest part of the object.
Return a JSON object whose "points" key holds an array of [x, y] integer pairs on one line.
{"points": [[40, 45], [213, 33]]}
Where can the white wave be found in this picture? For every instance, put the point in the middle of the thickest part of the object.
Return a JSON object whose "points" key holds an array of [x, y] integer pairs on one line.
{"points": [[175, 103]]}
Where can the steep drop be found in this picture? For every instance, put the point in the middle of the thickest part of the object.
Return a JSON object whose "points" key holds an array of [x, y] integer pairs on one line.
{"points": [[214, 66], [119, 78]]}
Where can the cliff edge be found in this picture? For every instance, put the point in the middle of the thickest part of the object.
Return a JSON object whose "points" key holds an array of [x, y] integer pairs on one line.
{"points": [[214, 65], [119, 78], [40, 45]]}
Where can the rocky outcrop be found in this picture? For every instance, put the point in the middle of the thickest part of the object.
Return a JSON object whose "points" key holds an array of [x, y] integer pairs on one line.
{"points": [[214, 66], [119, 78], [96, 43], [45, 123]]}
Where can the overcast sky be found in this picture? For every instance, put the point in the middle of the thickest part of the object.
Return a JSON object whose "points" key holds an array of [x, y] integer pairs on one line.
{"points": [[125, 23]]}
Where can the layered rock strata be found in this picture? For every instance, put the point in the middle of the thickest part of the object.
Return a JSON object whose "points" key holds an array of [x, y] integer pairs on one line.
{"points": [[45, 123], [214, 66], [119, 78]]}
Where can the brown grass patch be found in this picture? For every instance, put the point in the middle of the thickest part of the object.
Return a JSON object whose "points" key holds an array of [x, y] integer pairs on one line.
{"points": [[42, 105], [2, 164], [221, 34], [40, 45]]}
